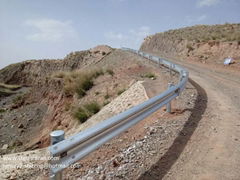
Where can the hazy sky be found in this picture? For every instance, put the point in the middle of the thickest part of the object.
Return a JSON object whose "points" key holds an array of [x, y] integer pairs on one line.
{"points": [[36, 29]]}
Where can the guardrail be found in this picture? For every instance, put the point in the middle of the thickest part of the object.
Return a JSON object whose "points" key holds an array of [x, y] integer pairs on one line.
{"points": [[78, 146]]}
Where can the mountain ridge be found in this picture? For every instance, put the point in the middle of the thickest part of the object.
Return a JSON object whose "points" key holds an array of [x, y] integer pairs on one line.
{"points": [[202, 43]]}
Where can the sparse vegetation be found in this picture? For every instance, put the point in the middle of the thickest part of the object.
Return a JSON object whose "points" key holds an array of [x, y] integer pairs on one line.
{"points": [[92, 107], [7, 90], [189, 47], [18, 99], [121, 91], [97, 72], [60, 74], [149, 75], [78, 81], [97, 93], [67, 106], [2, 111], [82, 85], [81, 115], [10, 87], [86, 111], [204, 33], [105, 103], [110, 71], [107, 96]]}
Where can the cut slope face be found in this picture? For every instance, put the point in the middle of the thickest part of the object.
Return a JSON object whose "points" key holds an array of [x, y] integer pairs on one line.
{"points": [[30, 106], [203, 43]]}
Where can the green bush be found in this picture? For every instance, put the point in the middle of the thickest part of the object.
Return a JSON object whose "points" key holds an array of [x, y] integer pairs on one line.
{"points": [[86, 84], [81, 115], [80, 92], [92, 107], [82, 85], [86, 111]]}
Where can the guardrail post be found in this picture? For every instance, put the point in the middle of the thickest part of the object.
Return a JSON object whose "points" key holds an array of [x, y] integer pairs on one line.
{"points": [[168, 106], [56, 137]]}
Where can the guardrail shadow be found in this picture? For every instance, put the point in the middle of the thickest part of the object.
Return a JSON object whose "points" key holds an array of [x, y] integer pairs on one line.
{"points": [[160, 169]]}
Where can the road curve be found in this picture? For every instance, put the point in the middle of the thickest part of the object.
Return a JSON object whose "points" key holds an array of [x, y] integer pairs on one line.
{"points": [[211, 148]]}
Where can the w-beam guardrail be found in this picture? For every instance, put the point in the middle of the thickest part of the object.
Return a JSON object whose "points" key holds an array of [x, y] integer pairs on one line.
{"points": [[71, 150]]}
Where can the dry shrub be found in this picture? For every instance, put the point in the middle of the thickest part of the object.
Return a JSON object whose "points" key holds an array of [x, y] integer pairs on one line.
{"points": [[78, 81], [84, 112]]}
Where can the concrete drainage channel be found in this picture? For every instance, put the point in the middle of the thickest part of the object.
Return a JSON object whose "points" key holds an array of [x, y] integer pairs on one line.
{"points": [[68, 151]]}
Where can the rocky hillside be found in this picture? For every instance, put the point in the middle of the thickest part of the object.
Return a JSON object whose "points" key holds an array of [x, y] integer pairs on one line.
{"points": [[204, 43], [33, 99], [32, 72], [39, 96]]}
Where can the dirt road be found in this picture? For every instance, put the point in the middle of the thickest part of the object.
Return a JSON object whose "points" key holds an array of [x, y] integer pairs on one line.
{"points": [[211, 148]]}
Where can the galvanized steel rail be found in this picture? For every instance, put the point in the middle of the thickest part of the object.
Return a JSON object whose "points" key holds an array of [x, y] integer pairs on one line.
{"points": [[78, 146]]}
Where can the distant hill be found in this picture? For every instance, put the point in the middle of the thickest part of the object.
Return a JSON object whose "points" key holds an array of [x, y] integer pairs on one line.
{"points": [[204, 43]]}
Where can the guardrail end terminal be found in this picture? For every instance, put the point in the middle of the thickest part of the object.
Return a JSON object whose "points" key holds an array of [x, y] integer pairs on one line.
{"points": [[56, 137]]}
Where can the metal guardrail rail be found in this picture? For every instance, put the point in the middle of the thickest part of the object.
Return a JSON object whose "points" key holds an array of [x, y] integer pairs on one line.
{"points": [[79, 145]]}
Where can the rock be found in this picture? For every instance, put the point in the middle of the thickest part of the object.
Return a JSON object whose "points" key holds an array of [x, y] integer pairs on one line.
{"points": [[77, 166], [20, 126], [5, 146], [29, 120], [7, 176], [18, 143], [102, 177], [13, 176], [152, 131], [115, 163]]}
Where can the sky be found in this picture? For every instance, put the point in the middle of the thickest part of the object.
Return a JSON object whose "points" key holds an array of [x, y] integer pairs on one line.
{"points": [[47, 29]]}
